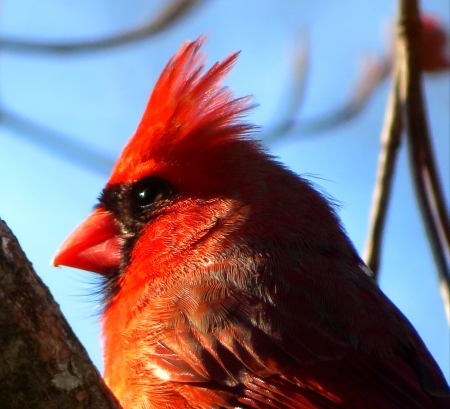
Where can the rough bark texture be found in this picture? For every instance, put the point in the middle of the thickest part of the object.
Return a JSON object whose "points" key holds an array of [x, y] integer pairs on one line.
{"points": [[42, 363]]}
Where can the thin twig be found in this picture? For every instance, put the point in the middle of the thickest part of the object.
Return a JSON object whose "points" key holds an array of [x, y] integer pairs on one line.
{"points": [[423, 167], [390, 143], [172, 12]]}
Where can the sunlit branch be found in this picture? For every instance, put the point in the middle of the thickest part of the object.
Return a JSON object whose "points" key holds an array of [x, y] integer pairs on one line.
{"points": [[423, 166], [390, 143]]}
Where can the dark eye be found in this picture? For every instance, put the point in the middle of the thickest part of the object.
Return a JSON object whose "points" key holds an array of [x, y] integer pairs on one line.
{"points": [[150, 191]]}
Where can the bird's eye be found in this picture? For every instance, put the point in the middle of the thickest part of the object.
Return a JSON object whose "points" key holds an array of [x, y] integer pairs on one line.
{"points": [[150, 191]]}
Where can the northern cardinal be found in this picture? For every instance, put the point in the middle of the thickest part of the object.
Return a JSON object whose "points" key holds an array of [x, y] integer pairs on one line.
{"points": [[228, 280], [435, 50]]}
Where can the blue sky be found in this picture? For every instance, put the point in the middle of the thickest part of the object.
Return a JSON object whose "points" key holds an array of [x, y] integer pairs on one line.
{"points": [[98, 99]]}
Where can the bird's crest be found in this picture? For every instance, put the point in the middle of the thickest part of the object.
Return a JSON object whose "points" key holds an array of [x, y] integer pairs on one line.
{"points": [[187, 111]]}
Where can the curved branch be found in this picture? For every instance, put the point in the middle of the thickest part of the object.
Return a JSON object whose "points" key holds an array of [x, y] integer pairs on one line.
{"points": [[172, 12]]}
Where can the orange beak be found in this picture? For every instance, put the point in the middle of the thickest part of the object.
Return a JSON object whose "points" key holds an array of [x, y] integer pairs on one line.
{"points": [[95, 245]]}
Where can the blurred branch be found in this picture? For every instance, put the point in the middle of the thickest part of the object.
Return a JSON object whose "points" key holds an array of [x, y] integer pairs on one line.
{"points": [[74, 151], [405, 109], [390, 143], [168, 15], [373, 73], [423, 166], [297, 91], [433, 50]]}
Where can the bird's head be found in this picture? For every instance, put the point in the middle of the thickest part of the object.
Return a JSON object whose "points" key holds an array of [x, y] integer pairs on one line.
{"points": [[175, 183], [190, 187]]}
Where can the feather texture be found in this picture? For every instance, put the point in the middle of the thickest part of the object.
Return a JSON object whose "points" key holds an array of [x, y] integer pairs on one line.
{"points": [[238, 287]]}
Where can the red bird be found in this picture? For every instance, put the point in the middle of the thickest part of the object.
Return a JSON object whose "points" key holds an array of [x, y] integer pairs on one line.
{"points": [[434, 50], [229, 281]]}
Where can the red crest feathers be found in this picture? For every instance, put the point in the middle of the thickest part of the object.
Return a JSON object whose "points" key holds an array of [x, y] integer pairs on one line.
{"points": [[187, 110]]}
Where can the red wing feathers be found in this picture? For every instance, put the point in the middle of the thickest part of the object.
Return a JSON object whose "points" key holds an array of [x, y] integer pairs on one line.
{"points": [[271, 359]]}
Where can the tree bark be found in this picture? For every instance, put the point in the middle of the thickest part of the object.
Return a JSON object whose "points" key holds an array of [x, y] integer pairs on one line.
{"points": [[42, 363]]}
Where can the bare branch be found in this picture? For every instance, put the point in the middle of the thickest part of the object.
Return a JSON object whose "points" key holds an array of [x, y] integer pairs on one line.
{"points": [[423, 167], [171, 13], [390, 143]]}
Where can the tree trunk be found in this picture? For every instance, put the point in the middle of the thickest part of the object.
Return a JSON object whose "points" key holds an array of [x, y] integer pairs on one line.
{"points": [[42, 363]]}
